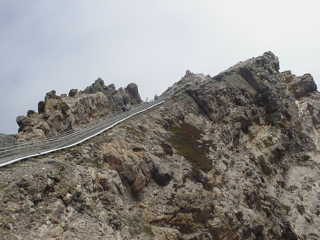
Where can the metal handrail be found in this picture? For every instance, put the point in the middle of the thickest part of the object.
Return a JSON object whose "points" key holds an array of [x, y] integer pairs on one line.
{"points": [[70, 132], [69, 140]]}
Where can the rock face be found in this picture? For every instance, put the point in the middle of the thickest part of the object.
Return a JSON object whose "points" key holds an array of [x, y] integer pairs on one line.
{"points": [[189, 79], [57, 114], [230, 157]]}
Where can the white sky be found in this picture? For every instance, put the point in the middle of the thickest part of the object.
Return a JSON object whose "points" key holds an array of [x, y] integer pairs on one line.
{"points": [[61, 44]]}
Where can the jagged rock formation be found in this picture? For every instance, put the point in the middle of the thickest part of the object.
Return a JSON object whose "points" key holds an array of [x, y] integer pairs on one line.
{"points": [[230, 157], [189, 79], [57, 114]]}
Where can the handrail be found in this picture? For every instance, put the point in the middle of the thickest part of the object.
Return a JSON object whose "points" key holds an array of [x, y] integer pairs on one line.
{"points": [[66, 141], [69, 132]]}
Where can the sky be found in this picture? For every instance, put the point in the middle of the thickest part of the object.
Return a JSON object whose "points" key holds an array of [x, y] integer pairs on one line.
{"points": [[61, 44]]}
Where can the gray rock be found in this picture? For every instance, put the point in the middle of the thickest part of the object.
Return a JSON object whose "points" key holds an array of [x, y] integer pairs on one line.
{"points": [[51, 94], [112, 87], [161, 175], [304, 86], [21, 120], [41, 107], [73, 92], [30, 113], [132, 90], [97, 86]]}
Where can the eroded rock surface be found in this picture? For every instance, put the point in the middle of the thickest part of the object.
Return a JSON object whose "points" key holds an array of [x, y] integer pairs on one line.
{"points": [[57, 114], [231, 157]]}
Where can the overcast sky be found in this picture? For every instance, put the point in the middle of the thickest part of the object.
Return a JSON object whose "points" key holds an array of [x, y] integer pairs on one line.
{"points": [[46, 44]]}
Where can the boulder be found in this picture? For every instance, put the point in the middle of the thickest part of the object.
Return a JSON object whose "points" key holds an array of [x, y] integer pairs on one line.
{"points": [[30, 113], [304, 86], [73, 92], [51, 94], [112, 87], [22, 121], [97, 86], [41, 107], [161, 175], [133, 92]]}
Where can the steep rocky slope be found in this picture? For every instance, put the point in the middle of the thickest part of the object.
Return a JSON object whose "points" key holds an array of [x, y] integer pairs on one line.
{"points": [[231, 157], [57, 114]]}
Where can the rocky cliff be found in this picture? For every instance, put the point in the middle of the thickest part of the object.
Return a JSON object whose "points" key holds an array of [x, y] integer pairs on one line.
{"points": [[230, 157], [58, 114]]}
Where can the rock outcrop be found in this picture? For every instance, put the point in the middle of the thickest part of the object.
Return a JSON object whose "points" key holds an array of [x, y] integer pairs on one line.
{"points": [[230, 157], [57, 114]]}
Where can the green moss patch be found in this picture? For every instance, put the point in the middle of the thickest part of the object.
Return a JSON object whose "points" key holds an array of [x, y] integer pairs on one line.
{"points": [[185, 139]]}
